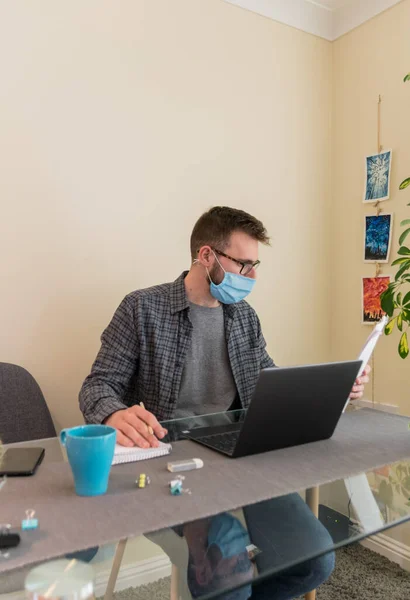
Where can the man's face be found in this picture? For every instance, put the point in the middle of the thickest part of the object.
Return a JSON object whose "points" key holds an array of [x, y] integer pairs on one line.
{"points": [[241, 247]]}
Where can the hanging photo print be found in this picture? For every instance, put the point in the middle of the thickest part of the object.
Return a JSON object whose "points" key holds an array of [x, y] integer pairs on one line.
{"points": [[377, 186], [372, 288], [377, 237]]}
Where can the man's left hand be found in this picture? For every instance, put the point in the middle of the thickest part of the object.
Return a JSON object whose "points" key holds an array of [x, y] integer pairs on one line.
{"points": [[357, 389]]}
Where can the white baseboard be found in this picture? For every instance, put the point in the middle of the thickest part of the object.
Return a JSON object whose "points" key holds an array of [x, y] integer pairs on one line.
{"points": [[391, 549], [140, 573], [388, 547]]}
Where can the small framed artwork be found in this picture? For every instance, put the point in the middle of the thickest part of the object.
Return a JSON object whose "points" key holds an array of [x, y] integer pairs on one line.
{"points": [[372, 288], [377, 237], [378, 168]]}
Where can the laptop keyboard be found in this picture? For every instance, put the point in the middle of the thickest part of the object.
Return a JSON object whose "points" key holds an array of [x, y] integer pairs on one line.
{"points": [[223, 441]]}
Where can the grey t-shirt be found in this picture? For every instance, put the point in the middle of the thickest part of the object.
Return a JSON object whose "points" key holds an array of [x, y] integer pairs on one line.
{"points": [[207, 383]]}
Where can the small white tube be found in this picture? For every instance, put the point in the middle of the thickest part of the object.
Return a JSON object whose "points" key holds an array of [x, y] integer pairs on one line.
{"points": [[185, 465]]}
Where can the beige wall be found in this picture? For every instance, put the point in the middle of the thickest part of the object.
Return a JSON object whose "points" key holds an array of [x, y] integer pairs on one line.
{"points": [[120, 123], [369, 61]]}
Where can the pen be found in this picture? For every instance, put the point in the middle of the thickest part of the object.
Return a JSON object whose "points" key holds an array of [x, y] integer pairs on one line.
{"points": [[150, 430]]}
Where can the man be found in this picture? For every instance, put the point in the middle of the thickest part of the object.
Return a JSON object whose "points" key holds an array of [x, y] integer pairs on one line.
{"points": [[188, 347], [192, 347]]}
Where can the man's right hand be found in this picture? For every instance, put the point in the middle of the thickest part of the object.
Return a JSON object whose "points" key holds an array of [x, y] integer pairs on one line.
{"points": [[132, 427]]}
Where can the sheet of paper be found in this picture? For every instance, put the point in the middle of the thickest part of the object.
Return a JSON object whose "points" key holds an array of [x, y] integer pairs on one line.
{"points": [[371, 341], [369, 346]]}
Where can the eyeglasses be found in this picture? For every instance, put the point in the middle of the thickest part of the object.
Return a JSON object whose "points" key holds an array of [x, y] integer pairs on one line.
{"points": [[246, 267]]}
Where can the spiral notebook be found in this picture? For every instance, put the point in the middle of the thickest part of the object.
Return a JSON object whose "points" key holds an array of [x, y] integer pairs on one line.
{"points": [[125, 455]]}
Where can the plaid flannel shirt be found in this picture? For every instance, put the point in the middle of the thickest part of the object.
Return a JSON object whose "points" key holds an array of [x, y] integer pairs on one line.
{"points": [[143, 352]]}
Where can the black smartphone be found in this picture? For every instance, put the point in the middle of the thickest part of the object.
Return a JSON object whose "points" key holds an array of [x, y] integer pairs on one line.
{"points": [[18, 462]]}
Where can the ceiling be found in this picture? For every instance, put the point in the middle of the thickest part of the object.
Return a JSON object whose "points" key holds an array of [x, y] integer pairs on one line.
{"points": [[332, 4], [328, 19]]}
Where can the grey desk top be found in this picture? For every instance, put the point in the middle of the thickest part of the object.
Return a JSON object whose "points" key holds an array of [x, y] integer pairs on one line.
{"points": [[363, 440]]}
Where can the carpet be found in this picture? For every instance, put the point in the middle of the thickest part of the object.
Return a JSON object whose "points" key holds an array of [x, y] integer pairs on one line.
{"points": [[359, 575]]}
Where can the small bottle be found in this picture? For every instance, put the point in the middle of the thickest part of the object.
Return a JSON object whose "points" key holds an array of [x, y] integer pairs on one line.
{"points": [[61, 580]]}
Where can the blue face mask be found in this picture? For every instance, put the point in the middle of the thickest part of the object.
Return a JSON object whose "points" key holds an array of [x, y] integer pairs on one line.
{"points": [[233, 287], [228, 534]]}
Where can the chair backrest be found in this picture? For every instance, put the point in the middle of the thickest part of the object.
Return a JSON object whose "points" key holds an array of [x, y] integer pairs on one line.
{"points": [[24, 414]]}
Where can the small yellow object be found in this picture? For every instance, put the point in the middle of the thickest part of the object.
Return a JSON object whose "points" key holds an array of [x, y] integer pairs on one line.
{"points": [[142, 481]]}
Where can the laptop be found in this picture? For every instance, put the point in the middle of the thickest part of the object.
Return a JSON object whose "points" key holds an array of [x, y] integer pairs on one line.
{"points": [[290, 406]]}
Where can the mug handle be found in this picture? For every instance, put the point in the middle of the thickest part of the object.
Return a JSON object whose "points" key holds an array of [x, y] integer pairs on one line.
{"points": [[63, 436]]}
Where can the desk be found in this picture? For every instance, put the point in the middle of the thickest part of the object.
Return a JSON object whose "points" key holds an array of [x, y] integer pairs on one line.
{"points": [[364, 440]]}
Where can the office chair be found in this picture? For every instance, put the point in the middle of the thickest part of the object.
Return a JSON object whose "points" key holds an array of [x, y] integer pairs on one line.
{"points": [[24, 414]]}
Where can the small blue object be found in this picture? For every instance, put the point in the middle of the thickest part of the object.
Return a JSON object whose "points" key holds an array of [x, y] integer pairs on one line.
{"points": [[176, 488], [29, 524]]}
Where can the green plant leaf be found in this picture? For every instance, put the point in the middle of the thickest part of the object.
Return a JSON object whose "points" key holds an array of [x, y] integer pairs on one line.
{"points": [[403, 345], [389, 289], [403, 250], [404, 235], [387, 302], [398, 299], [406, 221], [402, 270], [405, 183], [406, 298], [400, 321], [399, 261], [390, 326], [406, 77]]}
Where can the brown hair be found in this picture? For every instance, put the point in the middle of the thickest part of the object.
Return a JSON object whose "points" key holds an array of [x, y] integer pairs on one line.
{"points": [[215, 227]]}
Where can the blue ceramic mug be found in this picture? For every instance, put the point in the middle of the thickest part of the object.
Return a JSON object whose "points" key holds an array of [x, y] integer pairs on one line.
{"points": [[90, 450]]}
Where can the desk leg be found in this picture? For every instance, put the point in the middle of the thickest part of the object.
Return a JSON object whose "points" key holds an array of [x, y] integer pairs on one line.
{"points": [[174, 583], [312, 500], [116, 564]]}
